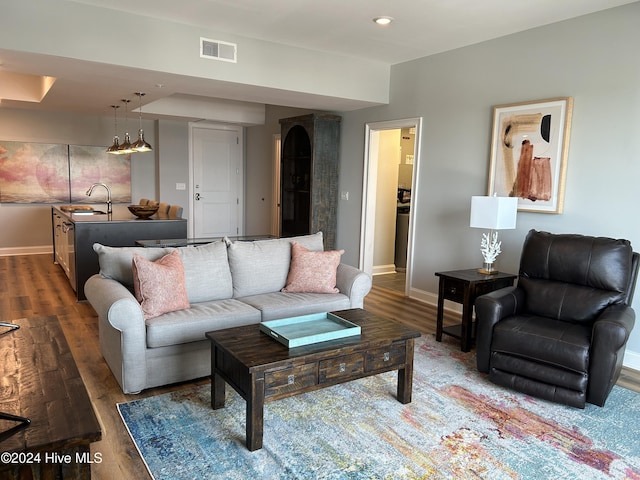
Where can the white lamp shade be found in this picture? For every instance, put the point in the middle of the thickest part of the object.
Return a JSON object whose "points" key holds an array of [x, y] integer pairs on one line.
{"points": [[494, 213]]}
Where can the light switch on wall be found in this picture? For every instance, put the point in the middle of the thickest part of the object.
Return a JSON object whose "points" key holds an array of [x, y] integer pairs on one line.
{"points": [[181, 186], [344, 195]]}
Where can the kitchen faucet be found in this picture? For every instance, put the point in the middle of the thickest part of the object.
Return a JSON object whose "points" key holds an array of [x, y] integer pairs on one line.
{"points": [[108, 194]]}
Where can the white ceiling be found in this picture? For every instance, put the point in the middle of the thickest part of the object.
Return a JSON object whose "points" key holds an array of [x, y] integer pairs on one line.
{"points": [[420, 28]]}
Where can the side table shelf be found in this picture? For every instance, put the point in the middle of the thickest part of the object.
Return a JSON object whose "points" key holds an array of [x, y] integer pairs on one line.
{"points": [[464, 286]]}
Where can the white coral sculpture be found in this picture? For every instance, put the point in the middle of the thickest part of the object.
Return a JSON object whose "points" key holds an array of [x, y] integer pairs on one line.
{"points": [[490, 247]]}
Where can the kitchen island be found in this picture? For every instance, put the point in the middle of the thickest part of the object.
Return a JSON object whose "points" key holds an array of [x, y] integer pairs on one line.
{"points": [[74, 234]]}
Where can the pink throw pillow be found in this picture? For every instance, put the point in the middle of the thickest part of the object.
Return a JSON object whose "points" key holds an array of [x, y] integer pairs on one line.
{"points": [[312, 272], [159, 286]]}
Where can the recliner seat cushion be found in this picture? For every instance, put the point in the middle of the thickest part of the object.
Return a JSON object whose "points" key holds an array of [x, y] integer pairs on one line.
{"points": [[544, 341]]}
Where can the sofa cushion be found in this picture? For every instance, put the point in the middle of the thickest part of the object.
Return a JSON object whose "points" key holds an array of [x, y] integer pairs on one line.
{"points": [[190, 325], [262, 266], [283, 305], [206, 272], [312, 272], [115, 262], [159, 286]]}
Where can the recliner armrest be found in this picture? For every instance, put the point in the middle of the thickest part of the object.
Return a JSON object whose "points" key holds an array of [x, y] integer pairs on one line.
{"points": [[490, 309], [614, 326], [608, 342]]}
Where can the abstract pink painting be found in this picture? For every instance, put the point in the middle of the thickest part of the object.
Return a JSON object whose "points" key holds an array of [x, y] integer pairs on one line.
{"points": [[55, 173], [529, 151]]}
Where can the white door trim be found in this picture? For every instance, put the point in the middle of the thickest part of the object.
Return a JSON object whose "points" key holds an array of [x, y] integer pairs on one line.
{"points": [[370, 178], [275, 196], [191, 228]]}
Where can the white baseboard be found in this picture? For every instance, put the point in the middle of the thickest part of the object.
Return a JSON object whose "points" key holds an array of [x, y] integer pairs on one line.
{"points": [[383, 269], [37, 250], [432, 299], [631, 359]]}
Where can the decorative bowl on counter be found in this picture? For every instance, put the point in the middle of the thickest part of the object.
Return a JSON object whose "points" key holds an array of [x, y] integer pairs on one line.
{"points": [[143, 211]]}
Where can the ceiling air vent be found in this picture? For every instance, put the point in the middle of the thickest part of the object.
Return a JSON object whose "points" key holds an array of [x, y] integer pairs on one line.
{"points": [[217, 50]]}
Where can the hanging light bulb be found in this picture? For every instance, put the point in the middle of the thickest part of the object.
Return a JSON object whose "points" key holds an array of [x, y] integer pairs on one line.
{"points": [[125, 147], [141, 145], [115, 148]]}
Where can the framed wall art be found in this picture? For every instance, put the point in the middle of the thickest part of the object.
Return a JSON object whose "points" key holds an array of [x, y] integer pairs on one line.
{"points": [[57, 173], [529, 149]]}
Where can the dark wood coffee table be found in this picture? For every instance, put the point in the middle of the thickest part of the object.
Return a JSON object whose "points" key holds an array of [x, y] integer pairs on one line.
{"points": [[262, 370]]}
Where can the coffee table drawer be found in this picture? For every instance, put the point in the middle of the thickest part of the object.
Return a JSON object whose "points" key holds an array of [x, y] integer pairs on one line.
{"points": [[289, 379], [340, 368], [386, 357]]}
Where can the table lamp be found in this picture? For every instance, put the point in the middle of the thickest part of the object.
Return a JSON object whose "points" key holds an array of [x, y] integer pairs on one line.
{"points": [[494, 213]]}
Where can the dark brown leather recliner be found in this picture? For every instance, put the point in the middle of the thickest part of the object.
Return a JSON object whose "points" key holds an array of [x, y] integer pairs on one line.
{"points": [[560, 334]]}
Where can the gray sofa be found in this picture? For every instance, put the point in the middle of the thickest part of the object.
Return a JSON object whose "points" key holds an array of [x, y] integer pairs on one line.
{"points": [[227, 283]]}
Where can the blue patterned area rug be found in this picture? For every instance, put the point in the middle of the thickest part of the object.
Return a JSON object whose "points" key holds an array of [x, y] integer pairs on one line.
{"points": [[458, 426]]}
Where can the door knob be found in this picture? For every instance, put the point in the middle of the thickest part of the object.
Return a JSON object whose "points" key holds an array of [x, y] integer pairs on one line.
{"points": [[197, 196]]}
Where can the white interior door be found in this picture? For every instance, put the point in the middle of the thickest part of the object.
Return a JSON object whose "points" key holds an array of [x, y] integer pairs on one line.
{"points": [[216, 188]]}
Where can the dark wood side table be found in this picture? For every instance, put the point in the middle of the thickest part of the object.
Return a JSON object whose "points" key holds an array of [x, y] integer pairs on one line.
{"points": [[464, 286]]}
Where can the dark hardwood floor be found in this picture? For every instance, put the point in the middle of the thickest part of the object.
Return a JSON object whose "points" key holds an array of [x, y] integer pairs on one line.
{"points": [[32, 285]]}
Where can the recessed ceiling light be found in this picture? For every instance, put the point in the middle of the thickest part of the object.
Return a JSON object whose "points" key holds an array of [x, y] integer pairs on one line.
{"points": [[383, 20]]}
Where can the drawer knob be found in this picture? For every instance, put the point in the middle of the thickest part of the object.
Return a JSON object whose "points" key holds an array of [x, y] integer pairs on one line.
{"points": [[291, 379], [386, 356], [343, 367], [452, 290]]}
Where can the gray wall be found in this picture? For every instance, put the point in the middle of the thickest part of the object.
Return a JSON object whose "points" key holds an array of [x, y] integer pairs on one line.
{"points": [[593, 59], [173, 163]]}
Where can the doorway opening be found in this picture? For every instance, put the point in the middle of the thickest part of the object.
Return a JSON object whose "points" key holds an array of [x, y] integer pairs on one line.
{"points": [[391, 165]]}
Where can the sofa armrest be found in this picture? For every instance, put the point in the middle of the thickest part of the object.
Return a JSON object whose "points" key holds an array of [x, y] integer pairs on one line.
{"points": [[354, 283], [490, 309], [122, 331], [608, 342]]}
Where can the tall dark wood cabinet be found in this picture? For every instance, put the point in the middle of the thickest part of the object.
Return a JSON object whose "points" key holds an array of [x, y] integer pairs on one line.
{"points": [[309, 176]]}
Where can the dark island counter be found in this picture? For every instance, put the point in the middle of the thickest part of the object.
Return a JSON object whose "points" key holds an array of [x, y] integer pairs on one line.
{"points": [[75, 233]]}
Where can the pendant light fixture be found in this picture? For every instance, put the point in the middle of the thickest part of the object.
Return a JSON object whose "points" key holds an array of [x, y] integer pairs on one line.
{"points": [[125, 147], [114, 149], [140, 145]]}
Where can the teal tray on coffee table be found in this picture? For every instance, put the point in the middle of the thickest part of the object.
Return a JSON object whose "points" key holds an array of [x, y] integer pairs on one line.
{"points": [[308, 329]]}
